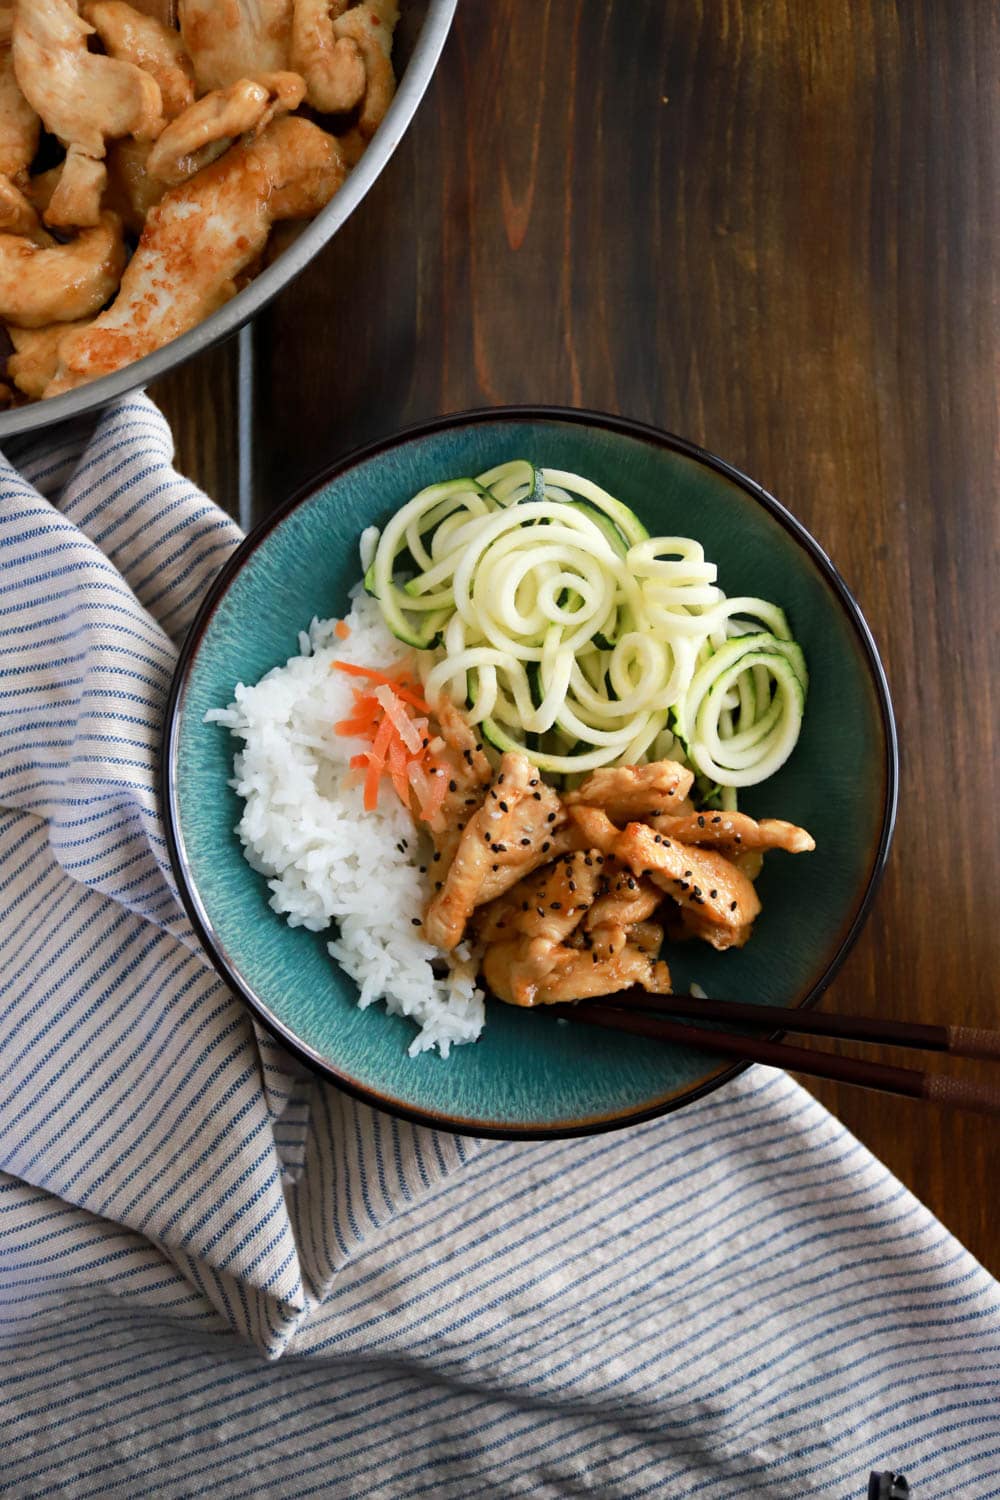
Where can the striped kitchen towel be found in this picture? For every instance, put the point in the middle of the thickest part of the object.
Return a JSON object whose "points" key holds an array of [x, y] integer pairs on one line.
{"points": [[221, 1277]]}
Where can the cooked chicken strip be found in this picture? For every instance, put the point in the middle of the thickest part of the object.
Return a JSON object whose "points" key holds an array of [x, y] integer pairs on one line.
{"points": [[629, 792], [41, 284], [545, 907], [733, 830], [131, 36], [76, 202], [689, 923], [534, 965], [624, 898], [508, 836], [696, 877], [470, 775], [83, 97], [702, 878], [132, 192], [370, 28], [332, 66], [37, 355], [19, 123], [18, 214], [232, 39], [202, 133], [199, 239]]}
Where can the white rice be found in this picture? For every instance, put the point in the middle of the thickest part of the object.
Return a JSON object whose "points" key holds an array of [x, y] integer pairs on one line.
{"points": [[326, 859]]}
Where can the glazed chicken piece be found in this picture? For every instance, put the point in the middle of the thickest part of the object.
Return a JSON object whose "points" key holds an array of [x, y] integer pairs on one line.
{"points": [[470, 773], [623, 898], [36, 355], [82, 97], [131, 192], [202, 133], [19, 132], [627, 793], [702, 878], [48, 283], [733, 831], [506, 838], [535, 956], [199, 239], [332, 65], [130, 36], [370, 28], [720, 893], [232, 39]]}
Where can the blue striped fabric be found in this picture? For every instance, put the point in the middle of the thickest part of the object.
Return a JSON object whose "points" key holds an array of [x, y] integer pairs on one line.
{"points": [[221, 1277]]}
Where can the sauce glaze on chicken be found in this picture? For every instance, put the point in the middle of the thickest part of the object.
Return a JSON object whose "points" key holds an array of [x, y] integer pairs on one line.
{"points": [[571, 896]]}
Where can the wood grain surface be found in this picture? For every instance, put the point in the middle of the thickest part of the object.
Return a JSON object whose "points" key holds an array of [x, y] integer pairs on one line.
{"points": [[768, 226]]}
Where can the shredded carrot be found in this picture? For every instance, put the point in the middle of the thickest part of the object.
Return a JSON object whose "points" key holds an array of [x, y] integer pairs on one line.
{"points": [[399, 685], [384, 714], [342, 630]]}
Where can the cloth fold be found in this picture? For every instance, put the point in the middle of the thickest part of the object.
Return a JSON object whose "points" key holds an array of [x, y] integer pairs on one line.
{"points": [[218, 1274]]}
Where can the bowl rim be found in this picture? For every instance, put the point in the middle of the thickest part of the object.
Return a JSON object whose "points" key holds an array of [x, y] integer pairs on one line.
{"points": [[584, 417], [226, 320]]}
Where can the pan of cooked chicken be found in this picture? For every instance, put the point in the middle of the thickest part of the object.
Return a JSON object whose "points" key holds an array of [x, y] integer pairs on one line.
{"points": [[167, 166]]}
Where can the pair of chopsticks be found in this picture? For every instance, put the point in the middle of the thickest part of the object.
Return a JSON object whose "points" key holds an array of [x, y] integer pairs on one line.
{"points": [[647, 1015]]}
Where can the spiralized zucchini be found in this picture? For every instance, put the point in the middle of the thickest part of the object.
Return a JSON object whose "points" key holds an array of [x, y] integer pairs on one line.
{"points": [[542, 604]]}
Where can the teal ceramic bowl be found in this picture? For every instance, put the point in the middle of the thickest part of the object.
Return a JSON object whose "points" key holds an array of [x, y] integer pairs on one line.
{"points": [[529, 1075]]}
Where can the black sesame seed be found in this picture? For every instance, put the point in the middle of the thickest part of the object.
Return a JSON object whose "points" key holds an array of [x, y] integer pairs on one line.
{"points": [[594, 957], [423, 869], [588, 861], [716, 819], [415, 921], [712, 895], [556, 905], [687, 874], [546, 847], [437, 854], [525, 843], [494, 868], [697, 890], [500, 848], [739, 838], [533, 783], [537, 796], [701, 822], [500, 779], [631, 885], [667, 844], [732, 906], [572, 886], [504, 807], [525, 905], [551, 818], [453, 786]]}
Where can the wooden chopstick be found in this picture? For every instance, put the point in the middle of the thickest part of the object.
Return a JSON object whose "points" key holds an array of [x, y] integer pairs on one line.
{"points": [[960, 1041], [910, 1082]]}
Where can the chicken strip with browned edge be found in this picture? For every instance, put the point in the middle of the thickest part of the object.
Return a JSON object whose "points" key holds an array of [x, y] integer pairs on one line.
{"points": [[701, 878], [529, 959], [734, 831], [469, 773], [630, 793], [199, 239], [506, 838]]}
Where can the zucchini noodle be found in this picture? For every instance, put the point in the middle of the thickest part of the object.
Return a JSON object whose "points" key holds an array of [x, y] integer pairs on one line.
{"points": [[541, 604]]}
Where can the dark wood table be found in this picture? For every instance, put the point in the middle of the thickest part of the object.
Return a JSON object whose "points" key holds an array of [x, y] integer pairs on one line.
{"points": [[771, 229]]}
